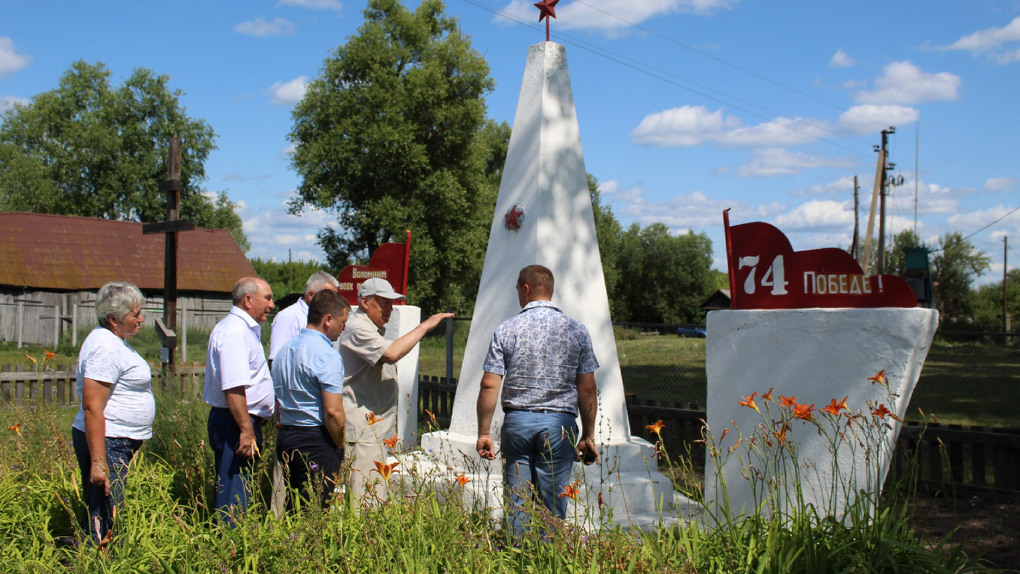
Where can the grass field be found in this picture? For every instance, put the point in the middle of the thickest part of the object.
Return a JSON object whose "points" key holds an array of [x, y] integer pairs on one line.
{"points": [[975, 383]]}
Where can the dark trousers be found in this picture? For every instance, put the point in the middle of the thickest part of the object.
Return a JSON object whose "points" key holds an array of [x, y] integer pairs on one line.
{"points": [[119, 452], [311, 460], [233, 472]]}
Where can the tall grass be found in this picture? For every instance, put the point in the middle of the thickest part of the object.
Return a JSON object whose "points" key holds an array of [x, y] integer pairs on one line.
{"points": [[165, 524]]}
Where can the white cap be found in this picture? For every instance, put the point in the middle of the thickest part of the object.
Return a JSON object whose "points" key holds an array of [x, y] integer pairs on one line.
{"points": [[380, 287]]}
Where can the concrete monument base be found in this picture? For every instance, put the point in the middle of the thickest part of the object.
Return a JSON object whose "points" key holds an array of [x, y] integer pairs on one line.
{"points": [[812, 356]]}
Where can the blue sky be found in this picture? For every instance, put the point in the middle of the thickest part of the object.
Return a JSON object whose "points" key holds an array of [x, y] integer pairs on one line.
{"points": [[687, 107]]}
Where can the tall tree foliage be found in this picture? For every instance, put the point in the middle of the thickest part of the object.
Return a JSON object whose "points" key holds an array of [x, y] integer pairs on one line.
{"points": [[988, 302], [664, 277], [955, 265], [90, 149], [285, 277], [608, 229], [896, 257], [392, 135]]}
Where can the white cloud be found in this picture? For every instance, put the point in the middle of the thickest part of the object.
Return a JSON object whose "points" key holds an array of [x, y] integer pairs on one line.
{"points": [[841, 60], [870, 118], [905, 83], [816, 215], [262, 28], [287, 153], [237, 176], [777, 161], [991, 41], [693, 125], [272, 231], [612, 15], [680, 212], [10, 59], [289, 93], [841, 185], [1000, 183], [971, 222], [7, 102], [313, 4]]}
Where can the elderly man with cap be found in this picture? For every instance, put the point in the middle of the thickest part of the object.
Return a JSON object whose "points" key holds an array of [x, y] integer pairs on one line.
{"points": [[370, 382]]}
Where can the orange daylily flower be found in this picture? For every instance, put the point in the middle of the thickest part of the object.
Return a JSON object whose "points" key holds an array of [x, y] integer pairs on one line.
{"points": [[30, 358], [803, 412], [391, 442], [768, 396], [781, 433], [878, 378], [787, 401], [385, 470], [749, 403], [833, 408], [462, 479], [656, 427], [372, 419], [571, 490], [725, 432], [15, 428], [601, 502], [254, 447], [881, 412], [432, 417], [48, 354]]}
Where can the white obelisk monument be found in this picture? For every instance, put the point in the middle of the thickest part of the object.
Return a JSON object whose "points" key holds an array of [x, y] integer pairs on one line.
{"points": [[544, 216]]}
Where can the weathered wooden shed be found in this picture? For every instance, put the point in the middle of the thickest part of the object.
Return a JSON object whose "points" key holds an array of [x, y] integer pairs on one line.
{"points": [[51, 267]]}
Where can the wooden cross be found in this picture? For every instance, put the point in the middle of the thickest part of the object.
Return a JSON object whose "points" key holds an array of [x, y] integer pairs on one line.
{"points": [[166, 327]]}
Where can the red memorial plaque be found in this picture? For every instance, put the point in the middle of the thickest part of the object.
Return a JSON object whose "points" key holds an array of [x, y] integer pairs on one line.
{"points": [[766, 273], [389, 262]]}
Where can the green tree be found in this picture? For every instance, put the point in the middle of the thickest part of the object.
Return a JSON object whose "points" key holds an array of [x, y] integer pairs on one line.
{"points": [[392, 135], [955, 265], [89, 149], [896, 257], [608, 229], [988, 302], [667, 276]]}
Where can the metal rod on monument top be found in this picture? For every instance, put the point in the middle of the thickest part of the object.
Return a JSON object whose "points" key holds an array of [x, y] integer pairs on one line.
{"points": [[547, 11]]}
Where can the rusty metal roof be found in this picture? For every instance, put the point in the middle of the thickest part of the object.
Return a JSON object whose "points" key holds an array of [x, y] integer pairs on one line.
{"points": [[66, 253]]}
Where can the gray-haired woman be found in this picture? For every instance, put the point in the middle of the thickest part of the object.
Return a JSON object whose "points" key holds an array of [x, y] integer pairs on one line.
{"points": [[117, 406]]}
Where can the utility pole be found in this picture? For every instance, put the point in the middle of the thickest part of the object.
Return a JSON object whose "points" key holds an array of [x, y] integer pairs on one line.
{"points": [[1005, 310], [881, 194], [857, 225]]}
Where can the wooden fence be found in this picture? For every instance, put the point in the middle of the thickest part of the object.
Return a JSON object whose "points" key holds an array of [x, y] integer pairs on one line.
{"points": [[950, 457]]}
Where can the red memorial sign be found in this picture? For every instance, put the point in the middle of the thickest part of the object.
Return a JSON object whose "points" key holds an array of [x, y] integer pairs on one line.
{"points": [[389, 262], [766, 273]]}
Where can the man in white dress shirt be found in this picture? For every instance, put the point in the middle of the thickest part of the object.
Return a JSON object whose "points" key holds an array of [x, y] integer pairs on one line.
{"points": [[240, 391], [289, 322]]}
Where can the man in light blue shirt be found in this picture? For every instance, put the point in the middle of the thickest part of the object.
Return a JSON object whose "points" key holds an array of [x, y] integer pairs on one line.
{"points": [[308, 377]]}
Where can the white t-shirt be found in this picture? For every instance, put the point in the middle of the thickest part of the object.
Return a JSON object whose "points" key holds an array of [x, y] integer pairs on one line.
{"points": [[107, 358]]}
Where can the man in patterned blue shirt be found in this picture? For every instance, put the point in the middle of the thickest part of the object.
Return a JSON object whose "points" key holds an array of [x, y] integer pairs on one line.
{"points": [[546, 365], [308, 378]]}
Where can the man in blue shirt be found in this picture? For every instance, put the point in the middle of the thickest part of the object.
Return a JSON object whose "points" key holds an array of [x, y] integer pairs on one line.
{"points": [[545, 362], [308, 377]]}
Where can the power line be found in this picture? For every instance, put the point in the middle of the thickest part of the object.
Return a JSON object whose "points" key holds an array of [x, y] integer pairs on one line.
{"points": [[983, 228], [725, 63], [656, 73]]}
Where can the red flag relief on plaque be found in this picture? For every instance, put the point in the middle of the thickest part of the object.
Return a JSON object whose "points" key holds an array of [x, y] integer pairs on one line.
{"points": [[389, 262], [766, 273]]}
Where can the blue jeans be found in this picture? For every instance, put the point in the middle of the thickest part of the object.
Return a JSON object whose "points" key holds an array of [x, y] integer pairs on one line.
{"points": [[233, 472], [538, 455], [119, 452]]}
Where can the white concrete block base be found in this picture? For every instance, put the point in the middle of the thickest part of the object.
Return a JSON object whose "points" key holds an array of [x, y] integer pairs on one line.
{"points": [[815, 355], [634, 493]]}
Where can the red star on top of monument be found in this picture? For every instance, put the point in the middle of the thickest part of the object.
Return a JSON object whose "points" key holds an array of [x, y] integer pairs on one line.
{"points": [[546, 8]]}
